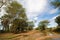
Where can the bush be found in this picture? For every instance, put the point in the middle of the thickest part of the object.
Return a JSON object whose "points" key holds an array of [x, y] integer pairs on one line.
{"points": [[57, 30]]}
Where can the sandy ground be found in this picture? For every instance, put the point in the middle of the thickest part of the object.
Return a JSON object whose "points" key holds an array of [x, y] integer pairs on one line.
{"points": [[32, 35]]}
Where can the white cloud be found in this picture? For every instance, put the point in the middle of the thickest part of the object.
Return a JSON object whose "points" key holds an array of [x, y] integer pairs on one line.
{"points": [[34, 7], [53, 11]]}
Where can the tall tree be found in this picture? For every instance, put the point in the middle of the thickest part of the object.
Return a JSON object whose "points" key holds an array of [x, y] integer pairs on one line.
{"points": [[5, 22], [15, 11]]}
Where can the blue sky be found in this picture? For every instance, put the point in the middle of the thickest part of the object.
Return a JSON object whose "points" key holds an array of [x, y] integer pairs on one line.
{"points": [[38, 10]]}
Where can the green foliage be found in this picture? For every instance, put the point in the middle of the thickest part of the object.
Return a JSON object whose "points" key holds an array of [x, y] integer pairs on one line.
{"points": [[5, 23], [45, 22], [57, 20], [16, 9], [57, 30], [43, 25], [16, 17], [37, 28], [19, 25], [56, 3], [30, 25]]}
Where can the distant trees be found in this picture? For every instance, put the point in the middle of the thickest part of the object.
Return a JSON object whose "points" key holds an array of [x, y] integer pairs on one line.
{"points": [[38, 28], [30, 25], [43, 25]]}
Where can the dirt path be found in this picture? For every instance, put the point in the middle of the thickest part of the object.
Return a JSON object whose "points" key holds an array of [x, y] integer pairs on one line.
{"points": [[50, 37], [29, 36], [35, 35], [38, 36]]}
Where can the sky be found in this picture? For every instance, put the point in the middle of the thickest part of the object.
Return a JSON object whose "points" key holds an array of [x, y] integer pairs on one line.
{"points": [[38, 10]]}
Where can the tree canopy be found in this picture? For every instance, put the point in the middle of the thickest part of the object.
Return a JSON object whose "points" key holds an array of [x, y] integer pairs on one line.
{"points": [[43, 24], [57, 20], [56, 3], [16, 16]]}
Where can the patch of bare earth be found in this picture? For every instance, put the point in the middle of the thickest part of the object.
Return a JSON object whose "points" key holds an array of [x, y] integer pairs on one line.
{"points": [[31, 35]]}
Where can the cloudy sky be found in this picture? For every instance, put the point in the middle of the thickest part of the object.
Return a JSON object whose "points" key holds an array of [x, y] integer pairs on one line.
{"points": [[38, 10]]}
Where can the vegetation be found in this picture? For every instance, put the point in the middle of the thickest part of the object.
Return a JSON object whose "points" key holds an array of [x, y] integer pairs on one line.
{"points": [[16, 21], [19, 25], [43, 25], [56, 3], [57, 20], [15, 16], [30, 25]]}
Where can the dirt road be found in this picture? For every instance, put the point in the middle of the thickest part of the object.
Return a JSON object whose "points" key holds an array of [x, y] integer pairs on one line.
{"points": [[35, 35]]}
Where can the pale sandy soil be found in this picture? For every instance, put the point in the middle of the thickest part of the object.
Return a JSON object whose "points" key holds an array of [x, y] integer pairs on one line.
{"points": [[32, 35]]}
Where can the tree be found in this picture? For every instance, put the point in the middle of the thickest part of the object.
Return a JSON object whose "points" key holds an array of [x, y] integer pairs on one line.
{"points": [[38, 28], [30, 25], [19, 25], [57, 20], [43, 24], [4, 3], [5, 22], [56, 3], [15, 11]]}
